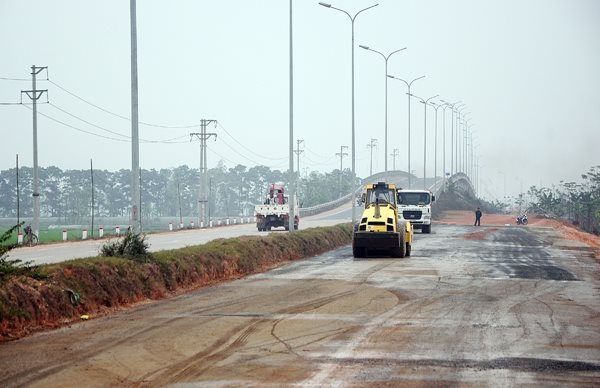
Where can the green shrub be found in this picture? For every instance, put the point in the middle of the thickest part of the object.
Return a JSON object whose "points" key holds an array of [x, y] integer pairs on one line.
{"points": [[133, 246]]}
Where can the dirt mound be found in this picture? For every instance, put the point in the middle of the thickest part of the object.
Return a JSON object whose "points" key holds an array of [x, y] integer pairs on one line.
{"points": [[99, 285]]}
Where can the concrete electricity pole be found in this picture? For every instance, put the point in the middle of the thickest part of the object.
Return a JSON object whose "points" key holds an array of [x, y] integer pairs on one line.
{"points": [[393, 155], [292, 196], [203, 136], [135, 138], [341, 154], [372, 144], [298, 151], [35, 94]]}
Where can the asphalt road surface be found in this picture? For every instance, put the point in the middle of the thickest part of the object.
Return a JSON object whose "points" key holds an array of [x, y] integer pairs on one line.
{"points": [[501, 307], [54, 253]]}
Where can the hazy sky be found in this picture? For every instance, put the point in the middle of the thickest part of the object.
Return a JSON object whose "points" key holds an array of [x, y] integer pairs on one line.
{"points": [[528, 70]]}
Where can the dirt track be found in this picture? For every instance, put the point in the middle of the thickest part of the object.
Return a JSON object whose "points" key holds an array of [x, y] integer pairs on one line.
{"points": [[504, 306]]}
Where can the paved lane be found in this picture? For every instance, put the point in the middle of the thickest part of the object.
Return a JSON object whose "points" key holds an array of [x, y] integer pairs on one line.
{"points": [[54, 253], [495, 306]]}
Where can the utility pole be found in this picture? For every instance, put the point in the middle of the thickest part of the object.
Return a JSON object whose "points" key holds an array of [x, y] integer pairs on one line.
{"points": [[393, 155], [372, 144], [209, 197], [18, 198], [341, 154], [292, 196], [135, 138], [92, 209], [298, 151], [203, 136], [140, 182], [179, 196], [35, 94]]}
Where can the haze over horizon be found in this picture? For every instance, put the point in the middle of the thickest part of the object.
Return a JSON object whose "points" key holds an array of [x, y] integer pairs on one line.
{"points": [[528, 72]]}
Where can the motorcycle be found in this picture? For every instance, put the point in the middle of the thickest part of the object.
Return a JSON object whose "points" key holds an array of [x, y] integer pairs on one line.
{"points": [[522, 219]]}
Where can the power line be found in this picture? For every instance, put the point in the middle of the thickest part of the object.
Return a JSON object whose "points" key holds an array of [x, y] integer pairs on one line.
{"points": [[127, 140], [18, 79], [78, 129], [246, 148], [111, 131], [316, 154], [118, 115]]}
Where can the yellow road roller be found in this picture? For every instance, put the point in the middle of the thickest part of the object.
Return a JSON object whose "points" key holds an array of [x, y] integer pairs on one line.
{"points": [[379, 229]]}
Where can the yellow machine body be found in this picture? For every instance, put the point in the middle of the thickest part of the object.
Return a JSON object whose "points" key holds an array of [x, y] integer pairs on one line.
{"points": [[379, 228]]}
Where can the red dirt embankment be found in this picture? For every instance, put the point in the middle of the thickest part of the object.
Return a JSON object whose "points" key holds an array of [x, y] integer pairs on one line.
{"points": [[570, 232], [97, 286]]}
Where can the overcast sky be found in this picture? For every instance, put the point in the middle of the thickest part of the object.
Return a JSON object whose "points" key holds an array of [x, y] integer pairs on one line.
{"points": [[527, 70]]}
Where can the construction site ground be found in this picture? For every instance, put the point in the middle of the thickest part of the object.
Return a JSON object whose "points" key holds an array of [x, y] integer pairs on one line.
{"points": [[493, 305]]}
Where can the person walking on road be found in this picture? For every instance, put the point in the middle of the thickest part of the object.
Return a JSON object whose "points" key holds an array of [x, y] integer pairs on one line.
{"points": [[478, 215]]}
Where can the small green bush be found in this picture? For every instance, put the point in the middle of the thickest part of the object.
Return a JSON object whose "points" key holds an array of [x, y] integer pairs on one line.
{"points": [[133, 246]]}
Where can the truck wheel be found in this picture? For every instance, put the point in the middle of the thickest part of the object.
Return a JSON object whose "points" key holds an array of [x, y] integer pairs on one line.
{"points": [[287, 227], [426, 229], [408, 249]]}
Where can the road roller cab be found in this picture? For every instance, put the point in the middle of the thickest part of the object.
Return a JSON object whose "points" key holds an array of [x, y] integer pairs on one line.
{"points": [[379, 228]]}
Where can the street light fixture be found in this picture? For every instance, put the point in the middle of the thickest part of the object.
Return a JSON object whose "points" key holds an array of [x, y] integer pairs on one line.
{"points": [[425, 102], [436, 107], [462, 145], [453, 109], [352, 19], [408, 85], [459, 111], [385, 58]]}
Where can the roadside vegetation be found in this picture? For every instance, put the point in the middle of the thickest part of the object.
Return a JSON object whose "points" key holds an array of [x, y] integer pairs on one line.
{"points": [[59, 294], [66, 194], [9, 267], [578, 203]]}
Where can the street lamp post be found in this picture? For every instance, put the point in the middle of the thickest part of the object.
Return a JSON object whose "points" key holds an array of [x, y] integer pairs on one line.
{"points": [[465, 150], [453, 110], [436, 107], [425, 103], [462, 145], [408, 85], [451, 105], [385, 58], [459, 111], [352, 19]]}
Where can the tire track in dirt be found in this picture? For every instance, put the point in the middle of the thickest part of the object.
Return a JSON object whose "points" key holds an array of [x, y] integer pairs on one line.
{"points": [[200, 362]]}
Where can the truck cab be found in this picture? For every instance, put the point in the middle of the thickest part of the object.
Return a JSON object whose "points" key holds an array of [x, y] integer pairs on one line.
{"points": [[414, 206]]}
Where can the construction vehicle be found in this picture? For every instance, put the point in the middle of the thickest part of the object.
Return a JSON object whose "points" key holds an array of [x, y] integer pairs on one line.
{"points": [[379, 228], [414, 206], [275, 210]]}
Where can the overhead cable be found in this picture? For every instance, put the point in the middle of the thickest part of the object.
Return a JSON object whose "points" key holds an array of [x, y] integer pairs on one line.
{"points": [[246, 148], [118, 115]]}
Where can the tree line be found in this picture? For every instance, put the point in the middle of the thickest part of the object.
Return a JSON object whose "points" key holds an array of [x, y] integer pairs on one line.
{"points": [[576, 202], [67, 194]]}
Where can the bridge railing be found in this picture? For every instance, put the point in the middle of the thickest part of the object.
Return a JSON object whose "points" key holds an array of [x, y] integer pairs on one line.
{"points": [[312, 210]]}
